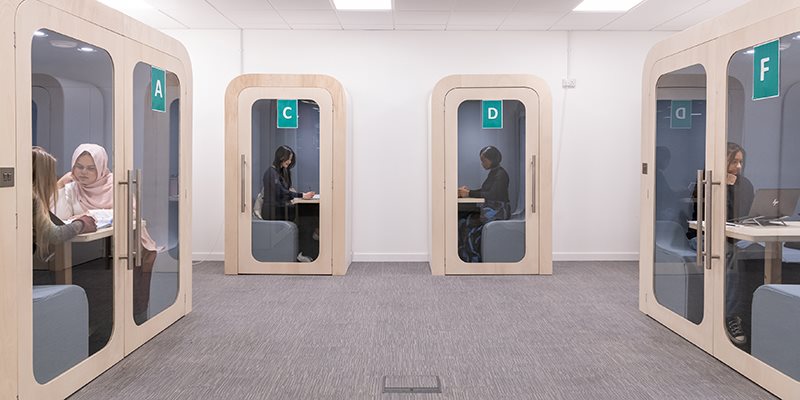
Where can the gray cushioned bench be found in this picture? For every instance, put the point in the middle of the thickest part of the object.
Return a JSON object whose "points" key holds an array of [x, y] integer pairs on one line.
{"points": [[274, 241], [60, 329], [776, 327]]}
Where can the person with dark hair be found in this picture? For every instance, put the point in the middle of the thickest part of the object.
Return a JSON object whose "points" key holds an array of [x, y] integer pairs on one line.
{"points": [[496, 206], [278, 194]]}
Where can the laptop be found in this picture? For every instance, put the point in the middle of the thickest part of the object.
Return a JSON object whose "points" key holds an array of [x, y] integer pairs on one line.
{"points": [[770, 204]]}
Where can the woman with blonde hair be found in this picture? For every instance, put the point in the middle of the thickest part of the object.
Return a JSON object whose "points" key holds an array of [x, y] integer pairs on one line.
{"points": [[45, 232]]}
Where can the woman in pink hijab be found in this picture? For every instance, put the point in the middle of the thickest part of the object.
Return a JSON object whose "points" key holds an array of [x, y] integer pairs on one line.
{"points": [[90, 186]]}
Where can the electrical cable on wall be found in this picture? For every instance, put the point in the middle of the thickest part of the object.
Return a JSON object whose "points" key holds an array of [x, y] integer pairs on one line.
{"points": [[563, 114]]}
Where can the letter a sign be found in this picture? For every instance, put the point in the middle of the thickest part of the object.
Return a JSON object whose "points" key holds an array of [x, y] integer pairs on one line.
{"points": [[767, 70], [158, 89], [492, 114]]}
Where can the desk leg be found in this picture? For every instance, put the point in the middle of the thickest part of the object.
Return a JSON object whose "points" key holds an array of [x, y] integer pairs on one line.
{"points": [[773, 261], [63, 264]]}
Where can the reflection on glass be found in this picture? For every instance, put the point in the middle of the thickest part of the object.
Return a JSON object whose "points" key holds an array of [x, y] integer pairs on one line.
{"points": [[73, 282], [491, 179], [680, 153], [156, 153], [762, 280], [285, 180]]}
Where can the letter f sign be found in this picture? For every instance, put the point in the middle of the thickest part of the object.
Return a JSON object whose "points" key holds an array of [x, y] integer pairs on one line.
{"points": [[764, 67]]}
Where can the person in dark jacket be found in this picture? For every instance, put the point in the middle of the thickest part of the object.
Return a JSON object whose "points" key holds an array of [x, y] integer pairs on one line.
{"points": [[278, 194], [496, 206]]}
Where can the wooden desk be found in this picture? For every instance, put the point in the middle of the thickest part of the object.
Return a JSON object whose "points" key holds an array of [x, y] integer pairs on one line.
{"points": [[471, 200], [773, 237], [63, 257], [301, 200]]}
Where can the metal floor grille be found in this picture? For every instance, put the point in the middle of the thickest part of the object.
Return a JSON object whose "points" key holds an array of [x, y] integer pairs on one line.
{"points": [[412, 384]]}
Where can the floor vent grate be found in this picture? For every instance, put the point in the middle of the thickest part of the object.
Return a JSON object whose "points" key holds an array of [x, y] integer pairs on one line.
{"points": [[412, 384]]}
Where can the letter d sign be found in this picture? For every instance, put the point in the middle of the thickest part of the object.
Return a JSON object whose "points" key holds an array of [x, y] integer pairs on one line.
{"points": [[492, 114]]}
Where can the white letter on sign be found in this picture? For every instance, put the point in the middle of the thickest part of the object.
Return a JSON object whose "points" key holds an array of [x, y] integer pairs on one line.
{"points": [[680, 113], [285, 115], [764, 68], [159, 92], [492, 113]]}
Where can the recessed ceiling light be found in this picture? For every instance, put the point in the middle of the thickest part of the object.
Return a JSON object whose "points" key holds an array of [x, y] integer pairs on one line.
{"points": [[606, 5], [750, 52], [86, 49], [63, 44], [39, 34], [127, 4], [363, 5]]}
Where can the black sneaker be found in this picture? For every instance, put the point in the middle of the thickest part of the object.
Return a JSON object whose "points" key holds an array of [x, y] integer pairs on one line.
{"points": [[735, 332]]}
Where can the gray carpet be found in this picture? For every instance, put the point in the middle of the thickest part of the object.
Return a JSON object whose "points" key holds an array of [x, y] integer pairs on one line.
{"points": [[575, 335]]}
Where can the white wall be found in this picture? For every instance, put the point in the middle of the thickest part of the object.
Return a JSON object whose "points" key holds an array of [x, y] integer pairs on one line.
{"points": [[389, 76]]}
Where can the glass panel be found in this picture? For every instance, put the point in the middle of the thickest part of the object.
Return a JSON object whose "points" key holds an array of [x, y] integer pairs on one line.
{"points": [[762, 280], [156, 143], [73, 279], [680, 153], [491, 179], [285, 180]]}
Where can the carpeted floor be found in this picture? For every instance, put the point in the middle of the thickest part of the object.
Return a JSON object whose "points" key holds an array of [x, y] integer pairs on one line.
{"points": [[575, 335]]}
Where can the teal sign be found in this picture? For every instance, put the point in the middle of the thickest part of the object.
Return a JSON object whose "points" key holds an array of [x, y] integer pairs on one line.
{"points": [[492, 111], [287, 114], [680, 116], [158, 89], [767, 70]]}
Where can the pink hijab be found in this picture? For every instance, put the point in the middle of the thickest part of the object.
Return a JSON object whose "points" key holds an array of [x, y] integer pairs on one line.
{"points": [[100, 194]]}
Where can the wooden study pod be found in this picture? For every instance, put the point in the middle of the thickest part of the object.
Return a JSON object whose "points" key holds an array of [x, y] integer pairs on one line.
{"points": [[79, 72], [719, 146], [501, 124], [286, 136]]}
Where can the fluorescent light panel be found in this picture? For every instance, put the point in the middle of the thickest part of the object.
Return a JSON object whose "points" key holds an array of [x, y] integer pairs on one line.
{"points": [[606, 5], [363, 4]]}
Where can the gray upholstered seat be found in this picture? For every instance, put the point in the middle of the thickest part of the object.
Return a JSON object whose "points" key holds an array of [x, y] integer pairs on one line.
{"points": [[776, 327], [504, 241], [274, 241], [678, 280], [60, 329]]}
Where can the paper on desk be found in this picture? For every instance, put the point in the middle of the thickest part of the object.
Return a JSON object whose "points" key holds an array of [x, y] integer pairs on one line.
{"points": [[103, 218]]}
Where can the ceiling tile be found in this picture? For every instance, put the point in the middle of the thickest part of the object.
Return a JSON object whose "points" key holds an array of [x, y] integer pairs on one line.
{"points": [[155, 18], [484, 5], [530, 20], [361, 27], [707, 10], [365, 18], [650, 14], [424, 5], [471, 28], [477, 18], [317, 27], [229, 5], [310, 17], [585, 21], [257, 19], [196, 15], [301, 4], [548, 6], [421, 17], [420, 27]]}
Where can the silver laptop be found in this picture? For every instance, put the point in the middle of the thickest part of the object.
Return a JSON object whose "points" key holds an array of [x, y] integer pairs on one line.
{"points": [[770, 204]]}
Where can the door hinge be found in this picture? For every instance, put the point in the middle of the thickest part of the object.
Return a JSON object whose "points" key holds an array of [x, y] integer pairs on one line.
{"points": [[644, 168], [15, 40]]}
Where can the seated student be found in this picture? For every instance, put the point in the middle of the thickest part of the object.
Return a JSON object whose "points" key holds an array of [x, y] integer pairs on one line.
{"points": [[278, 194], [46, 234], [89, 185], [496, 206]]}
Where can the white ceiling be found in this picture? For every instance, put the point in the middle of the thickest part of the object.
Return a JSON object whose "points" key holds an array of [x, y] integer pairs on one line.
{"points": [[434, 15]]}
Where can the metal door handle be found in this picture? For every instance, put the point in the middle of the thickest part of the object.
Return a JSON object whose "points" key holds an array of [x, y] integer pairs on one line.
{"points": [[533, 184], [244, 170], [138, 227], [131, 229], [701, 199]]}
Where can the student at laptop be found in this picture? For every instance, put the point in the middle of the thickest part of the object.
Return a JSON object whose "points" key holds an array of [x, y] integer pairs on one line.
{"points": [[741, 281], [46, 233]]}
